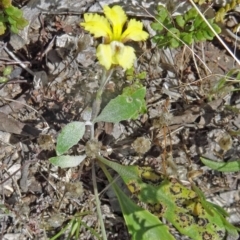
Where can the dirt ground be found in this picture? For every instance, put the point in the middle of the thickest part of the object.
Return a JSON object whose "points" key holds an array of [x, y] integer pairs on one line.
{"points": [[54, 80]]}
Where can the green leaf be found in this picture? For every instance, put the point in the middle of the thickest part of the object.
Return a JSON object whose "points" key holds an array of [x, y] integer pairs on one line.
{"points": [[198, 36], [13, 28], [14, 12], [173, 32], [172, 36], [67, 161], [126, 106], [180, 21], [6, 3], [206, 35], [174, 43], [185, 209], [190, 14], [22, 23], [2, 28], [69, 136], [2, 18], [141, 223], [220, 15], [156, 26], [3, 79], [198, 21], [7, 70], [216, 28], [13, 24], [142, 75], [162, 13], [187, 38], [238, 75], [233, 166], [219, 85]]}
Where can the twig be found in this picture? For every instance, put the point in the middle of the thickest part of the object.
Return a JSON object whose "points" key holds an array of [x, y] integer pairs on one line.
{"points": [[18, 61]]}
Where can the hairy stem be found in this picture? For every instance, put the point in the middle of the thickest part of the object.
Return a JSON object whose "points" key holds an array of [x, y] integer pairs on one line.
{"points": [[97, 102]]}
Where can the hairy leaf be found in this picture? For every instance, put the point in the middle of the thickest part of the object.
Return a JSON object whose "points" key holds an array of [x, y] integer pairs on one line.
{"points": [[69, 136], [67, 161], [126, 106]]}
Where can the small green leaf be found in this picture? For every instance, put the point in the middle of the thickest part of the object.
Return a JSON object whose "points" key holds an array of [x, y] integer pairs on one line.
{"points": [[219, 85], [199, 36], [69, 136], [238, 75], [126, 106], [3, 79], [156, 26], [174, 43], [198, 21], [187, 38], [67, 161], [233, 166], [142, 75], [216, 28], [14, 12], [6, 3], [206, 35], [7, 70], [22, 23], [2, 28], [220, 15], [173, 32], [13, 28], [2, 18], [180, 21], [190, 14], [162, 13]]}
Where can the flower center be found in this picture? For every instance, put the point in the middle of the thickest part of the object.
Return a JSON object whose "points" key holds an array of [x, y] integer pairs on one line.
{"points": [[117, 47]]}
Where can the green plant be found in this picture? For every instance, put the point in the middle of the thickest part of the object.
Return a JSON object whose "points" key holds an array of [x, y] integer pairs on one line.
{"points": [[224, 85], [6, 72], [11, 17], [74, 226], [184, 29], [163, 197], [221, 13]]}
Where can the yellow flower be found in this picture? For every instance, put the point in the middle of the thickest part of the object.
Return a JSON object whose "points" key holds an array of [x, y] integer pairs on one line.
{"points": [[113, 51]]}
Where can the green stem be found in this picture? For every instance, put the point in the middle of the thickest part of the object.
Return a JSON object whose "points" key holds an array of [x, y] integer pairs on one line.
{"points": [[95, 110], [97, 102], [104, 235]]}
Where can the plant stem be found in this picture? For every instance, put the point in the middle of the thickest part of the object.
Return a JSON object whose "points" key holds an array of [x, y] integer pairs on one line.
{"points": [[97, 102], [104, 235], [95, 110]]}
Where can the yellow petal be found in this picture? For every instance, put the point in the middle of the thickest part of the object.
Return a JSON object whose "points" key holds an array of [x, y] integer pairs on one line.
{"points": [[97, 25], [117, 18], [134, 32], [104, 55], [124, 56]]}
